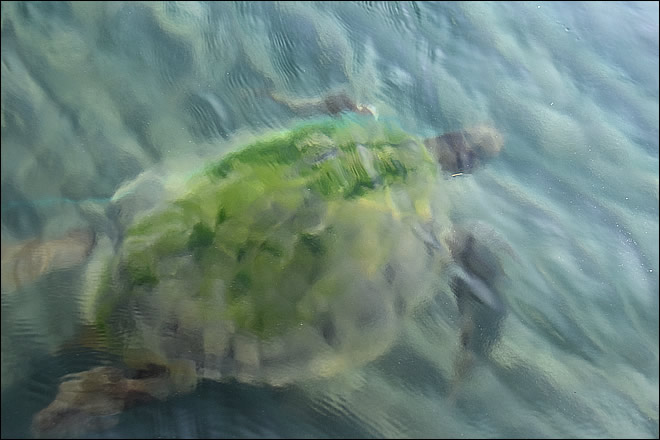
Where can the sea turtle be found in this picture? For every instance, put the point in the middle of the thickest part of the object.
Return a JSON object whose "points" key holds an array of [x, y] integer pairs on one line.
{"points": [[290, 259]]}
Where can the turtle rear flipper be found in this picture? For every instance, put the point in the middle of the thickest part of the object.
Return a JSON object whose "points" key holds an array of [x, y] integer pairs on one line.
{"points": [[26, 262], [92, 400]]}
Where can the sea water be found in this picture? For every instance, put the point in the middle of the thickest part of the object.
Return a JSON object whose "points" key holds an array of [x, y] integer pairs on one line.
{"points": [[95, 93]]}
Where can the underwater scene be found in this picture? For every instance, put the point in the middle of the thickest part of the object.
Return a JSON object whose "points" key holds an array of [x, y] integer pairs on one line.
{"points": [[329, 219]]}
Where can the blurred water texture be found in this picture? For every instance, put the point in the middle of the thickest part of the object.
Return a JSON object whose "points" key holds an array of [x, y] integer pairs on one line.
{"points": [[93, 93]]}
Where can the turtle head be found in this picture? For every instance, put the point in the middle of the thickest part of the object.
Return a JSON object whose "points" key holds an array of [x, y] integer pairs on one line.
{"points": [[485, 140], [460, 152]]}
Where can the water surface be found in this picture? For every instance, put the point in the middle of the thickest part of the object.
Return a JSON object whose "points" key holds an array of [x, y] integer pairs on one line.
{"points": [[95, 93]]}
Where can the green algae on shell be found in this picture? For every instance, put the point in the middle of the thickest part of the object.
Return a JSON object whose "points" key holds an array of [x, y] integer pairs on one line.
{"points": [[292, 257]]}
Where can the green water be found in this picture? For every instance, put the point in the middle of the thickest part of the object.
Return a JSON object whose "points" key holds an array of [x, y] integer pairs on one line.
{"points": [[93, 94]]}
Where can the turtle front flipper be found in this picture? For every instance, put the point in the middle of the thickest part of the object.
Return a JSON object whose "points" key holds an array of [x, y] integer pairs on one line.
{"points": [[92, 400], [332, 104], [476, 283]]}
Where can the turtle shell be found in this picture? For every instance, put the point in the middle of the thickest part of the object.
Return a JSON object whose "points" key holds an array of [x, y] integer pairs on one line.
{"points": [[295, 256]]}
